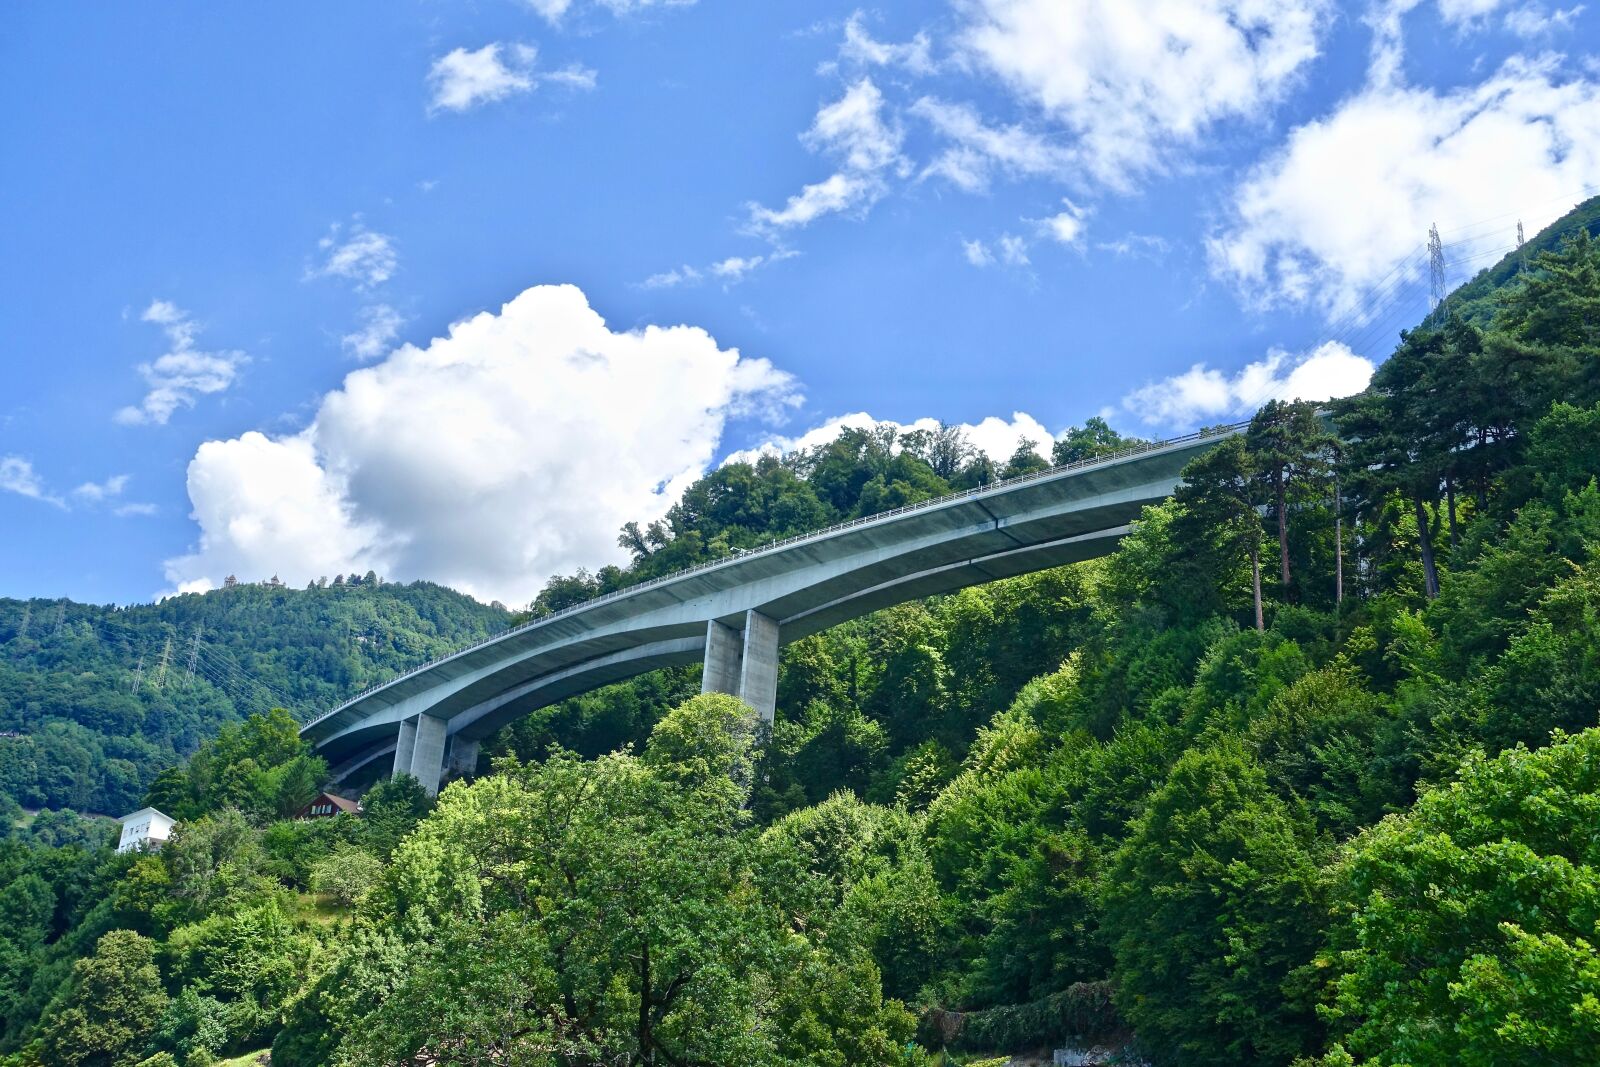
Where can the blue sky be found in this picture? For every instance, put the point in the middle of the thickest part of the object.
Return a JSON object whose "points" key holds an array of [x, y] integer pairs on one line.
{"points": [[452, 290]]}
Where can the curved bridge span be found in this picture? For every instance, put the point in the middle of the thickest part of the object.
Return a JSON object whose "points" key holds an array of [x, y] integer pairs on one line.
{"points": [[735, 613]]}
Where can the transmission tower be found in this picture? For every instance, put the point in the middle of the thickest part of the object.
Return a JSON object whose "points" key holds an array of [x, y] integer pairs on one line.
{"points": [[1520, 239], [1436, 269], [160, 678], [61, 617], [138, 674], [194, 654]]}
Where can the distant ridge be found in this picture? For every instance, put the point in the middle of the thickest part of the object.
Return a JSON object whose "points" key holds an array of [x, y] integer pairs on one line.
{"points": [[1474, 300]]}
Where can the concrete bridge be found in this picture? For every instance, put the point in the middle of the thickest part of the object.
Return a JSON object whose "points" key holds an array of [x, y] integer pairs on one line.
{"points": [[734, 614]]}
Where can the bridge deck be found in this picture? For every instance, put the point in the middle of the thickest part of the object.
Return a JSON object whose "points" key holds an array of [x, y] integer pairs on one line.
{"points": [[805, 584]]}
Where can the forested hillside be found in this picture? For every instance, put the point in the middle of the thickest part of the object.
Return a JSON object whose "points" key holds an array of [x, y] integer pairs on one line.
{"points": [[95, 701], [1307, 772]]}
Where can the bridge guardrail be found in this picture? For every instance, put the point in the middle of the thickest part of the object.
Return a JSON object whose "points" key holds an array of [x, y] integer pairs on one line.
{"points": [[826, 531]]}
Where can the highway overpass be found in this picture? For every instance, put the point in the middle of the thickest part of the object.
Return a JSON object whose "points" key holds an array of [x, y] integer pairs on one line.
{"points": [[734, 614]]}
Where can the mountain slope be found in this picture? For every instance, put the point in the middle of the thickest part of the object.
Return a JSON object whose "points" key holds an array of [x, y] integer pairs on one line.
{"points": [[1475, 300], [95, 700]]}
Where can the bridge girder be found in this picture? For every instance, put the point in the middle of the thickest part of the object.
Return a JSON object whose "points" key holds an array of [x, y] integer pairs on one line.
{"points": [[792, 590]]}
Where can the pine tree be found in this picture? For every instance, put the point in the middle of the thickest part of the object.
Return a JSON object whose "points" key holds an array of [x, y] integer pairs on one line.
{"points": [[1289, 453]]}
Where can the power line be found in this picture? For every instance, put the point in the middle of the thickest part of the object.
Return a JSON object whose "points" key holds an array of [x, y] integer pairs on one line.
{"points": [[1436, 267], [1379, 293], [1414, 307], [1579, 193], [221, 659], [1369, 320]]}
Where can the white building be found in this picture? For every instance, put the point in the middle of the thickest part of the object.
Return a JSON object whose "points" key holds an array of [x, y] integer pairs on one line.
{"points": [[146, 828]]}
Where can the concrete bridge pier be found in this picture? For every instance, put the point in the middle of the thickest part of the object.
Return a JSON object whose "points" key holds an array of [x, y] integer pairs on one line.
{"points": [[744, 665], [724, 653], [423, 751], [463, 759], [427, 758], [404, 747]]}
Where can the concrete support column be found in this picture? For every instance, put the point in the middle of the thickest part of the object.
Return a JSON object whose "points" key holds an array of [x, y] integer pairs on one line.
{"points": [[404, 747], [427, 758], [723, 654], [463, 759], [758, 670]]}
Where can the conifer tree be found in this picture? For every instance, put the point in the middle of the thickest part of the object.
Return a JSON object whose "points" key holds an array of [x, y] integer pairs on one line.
{"points": [[1289, 454]]}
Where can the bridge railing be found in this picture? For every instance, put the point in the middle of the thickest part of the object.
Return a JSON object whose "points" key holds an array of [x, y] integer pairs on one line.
{"points": [[811, 535]]}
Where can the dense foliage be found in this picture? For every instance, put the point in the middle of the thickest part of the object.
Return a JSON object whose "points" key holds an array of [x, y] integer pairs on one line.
{"points": [[1307, 772], [95, 701]]}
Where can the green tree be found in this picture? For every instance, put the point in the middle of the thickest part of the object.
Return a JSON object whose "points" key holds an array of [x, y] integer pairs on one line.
{"points": [[1024, 460], [1095, 438], [249, 958], [1213, 904], [391, 809], [355, 979], [1469, 937], [1218, 523], [1404, 434], [1545, 341], [1289, 452], [610, 908], [193, 1030], [109, 1008], [347, 875]]}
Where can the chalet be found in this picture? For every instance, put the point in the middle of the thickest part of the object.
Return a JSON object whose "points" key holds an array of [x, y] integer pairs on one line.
{"points": [[326, 806], [145, 830]]}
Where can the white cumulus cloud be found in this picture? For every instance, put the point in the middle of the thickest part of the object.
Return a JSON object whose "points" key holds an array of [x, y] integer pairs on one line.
{"points": [[736, 269], [1351, 195], [1066, 226], [464, 78], [976, 150], [556, 10], [862, 49], [1131, 80], [508, 450], [996, 437], [1204, 394], [108, 493], [671, 279], [857, 131], [977, 253], [97, 492], [182, 374], [1536, 20], [361, 256], [380, 325], [1013, 249], [1459, 12], [18, 476]]}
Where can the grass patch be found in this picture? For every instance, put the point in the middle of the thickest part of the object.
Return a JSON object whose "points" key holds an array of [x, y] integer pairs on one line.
{"points": [[249, 1059], [319, 908]]}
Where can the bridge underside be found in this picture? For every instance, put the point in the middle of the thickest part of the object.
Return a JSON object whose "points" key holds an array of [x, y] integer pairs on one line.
{"points": [[734, 617]]}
